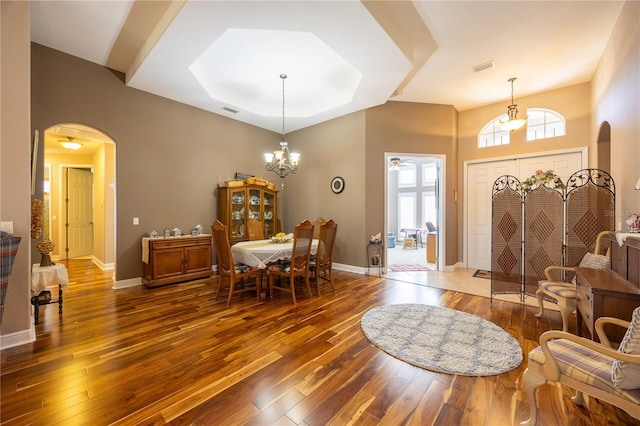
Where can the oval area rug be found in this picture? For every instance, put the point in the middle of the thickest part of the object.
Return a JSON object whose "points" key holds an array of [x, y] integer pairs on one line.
{"points": [[442, 339]]}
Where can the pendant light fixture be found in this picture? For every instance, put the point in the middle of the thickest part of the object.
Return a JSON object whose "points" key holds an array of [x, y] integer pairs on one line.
{"points": [[513, 122], [70, 144], [281, 162]]}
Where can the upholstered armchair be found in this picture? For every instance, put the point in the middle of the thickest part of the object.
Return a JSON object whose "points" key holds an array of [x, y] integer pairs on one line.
{"points": [[589, 367], [564, 293]]}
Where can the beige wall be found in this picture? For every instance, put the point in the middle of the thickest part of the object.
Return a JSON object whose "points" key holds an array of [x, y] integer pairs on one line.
{"points": [[330, 149], [169, 156], [413, 129], [572, 102], [616, 100], [15, 160]]}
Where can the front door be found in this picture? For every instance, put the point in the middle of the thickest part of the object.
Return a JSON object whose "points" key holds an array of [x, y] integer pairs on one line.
{"points": [[479, 189]]}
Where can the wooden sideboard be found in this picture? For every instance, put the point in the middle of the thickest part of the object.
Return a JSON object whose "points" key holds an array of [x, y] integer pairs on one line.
{"points": [[175, 259], [612, 293]]}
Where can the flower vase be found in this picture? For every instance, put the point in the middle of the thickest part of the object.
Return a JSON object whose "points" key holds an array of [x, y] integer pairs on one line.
{"points": [[45, 260]]}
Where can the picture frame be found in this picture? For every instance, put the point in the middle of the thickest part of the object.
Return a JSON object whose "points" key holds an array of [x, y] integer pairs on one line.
{"points": [[337, 184]]}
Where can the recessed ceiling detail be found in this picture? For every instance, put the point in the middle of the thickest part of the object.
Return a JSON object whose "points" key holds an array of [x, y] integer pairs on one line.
{"points": [[319, 79], [273, 39], [408, 51]]}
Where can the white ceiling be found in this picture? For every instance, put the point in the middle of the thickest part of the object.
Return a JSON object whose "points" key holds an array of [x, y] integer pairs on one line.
{"points": [[372, 52]]}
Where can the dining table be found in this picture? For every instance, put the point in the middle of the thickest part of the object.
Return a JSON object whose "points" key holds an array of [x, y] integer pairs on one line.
{"points": [[260, 253]]}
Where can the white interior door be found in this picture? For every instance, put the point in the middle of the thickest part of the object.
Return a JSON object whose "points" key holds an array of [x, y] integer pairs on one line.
{"points": [[479, 187], [79, 213], [481, 177]]}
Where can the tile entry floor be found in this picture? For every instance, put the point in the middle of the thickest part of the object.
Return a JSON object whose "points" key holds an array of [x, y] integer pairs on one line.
{"points": [[461, 279]]}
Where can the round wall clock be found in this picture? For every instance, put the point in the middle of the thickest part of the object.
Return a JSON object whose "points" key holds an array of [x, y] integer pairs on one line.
{"points": [[337, 185]]}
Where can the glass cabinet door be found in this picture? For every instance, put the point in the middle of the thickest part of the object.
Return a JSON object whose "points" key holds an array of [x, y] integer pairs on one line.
{"points": [[237, 214], [255, 203], [269, 214]]}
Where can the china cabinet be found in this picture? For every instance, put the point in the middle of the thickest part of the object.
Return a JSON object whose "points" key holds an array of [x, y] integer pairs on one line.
{"points": [[238, 204]]}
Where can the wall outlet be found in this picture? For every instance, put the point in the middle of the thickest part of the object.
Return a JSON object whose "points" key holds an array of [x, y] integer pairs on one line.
{"points": [[136, 221], [6, 227]]}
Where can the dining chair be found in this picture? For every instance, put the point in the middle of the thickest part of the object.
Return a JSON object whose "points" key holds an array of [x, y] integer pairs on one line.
{"points": [[563, 293], [255, 231], [322, 266], [298, 266], [235, 272], [316, 227]]}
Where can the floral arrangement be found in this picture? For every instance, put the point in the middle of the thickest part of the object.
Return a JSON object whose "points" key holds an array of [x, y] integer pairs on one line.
{"points": [[45, 246], [37, 217], [281, 237], [541, 178]]}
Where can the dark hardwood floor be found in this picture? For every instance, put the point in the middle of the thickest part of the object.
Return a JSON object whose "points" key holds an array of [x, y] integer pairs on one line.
{"points": [[175, 355]]}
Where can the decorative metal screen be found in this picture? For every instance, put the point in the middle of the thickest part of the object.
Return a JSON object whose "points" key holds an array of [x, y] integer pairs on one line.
{"points": [[546, 223], [543, 234], [506, 226]]}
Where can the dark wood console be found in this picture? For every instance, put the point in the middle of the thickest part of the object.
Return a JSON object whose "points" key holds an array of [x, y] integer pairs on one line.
{"points": [[610, 293]]}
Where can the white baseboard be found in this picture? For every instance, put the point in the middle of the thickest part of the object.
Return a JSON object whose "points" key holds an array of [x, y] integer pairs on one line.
{"points": [[350, 268], [19, 338], [103, 266], [131, 282]]}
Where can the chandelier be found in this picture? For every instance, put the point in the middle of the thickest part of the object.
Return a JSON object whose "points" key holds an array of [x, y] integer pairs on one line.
{"points": [[513, 122], [281, 161]]}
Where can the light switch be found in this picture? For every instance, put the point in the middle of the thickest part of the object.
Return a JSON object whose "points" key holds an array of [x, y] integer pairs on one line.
{"points": [[136, 221]]}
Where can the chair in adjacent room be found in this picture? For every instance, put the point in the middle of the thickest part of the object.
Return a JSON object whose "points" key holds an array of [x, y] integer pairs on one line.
{"points": [[322, 266], [391, 240], [589, 367], [237, 273], [564, 293], [297, 266], [255, 231]]}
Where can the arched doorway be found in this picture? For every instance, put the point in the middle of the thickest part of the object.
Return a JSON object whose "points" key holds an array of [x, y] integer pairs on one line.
{"points": [[79, 193], [604, 147]]}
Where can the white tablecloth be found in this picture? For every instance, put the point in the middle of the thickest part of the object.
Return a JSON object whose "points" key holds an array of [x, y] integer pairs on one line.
{"points": [[259, 253], [47, 276]]}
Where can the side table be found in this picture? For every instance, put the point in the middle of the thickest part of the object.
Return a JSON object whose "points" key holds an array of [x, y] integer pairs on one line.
{"points": [[374, 256], [43, 277]]}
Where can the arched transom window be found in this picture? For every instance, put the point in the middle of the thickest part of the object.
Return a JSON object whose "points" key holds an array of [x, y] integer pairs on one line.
{"points": [[492, 135], [544, 123]]}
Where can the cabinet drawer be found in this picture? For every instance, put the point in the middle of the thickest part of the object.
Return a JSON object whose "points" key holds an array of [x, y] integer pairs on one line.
{"points": [[179, 242], [584, 300]]}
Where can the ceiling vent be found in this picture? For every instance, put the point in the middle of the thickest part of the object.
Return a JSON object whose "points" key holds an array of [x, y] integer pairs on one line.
{"points": [[233, 111], [482, 67]]}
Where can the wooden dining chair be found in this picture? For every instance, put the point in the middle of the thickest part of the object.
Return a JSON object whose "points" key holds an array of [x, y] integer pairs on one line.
{"points": [[255, 231], [298, 266], [235, 272], [321, 267], [316, 227]]}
